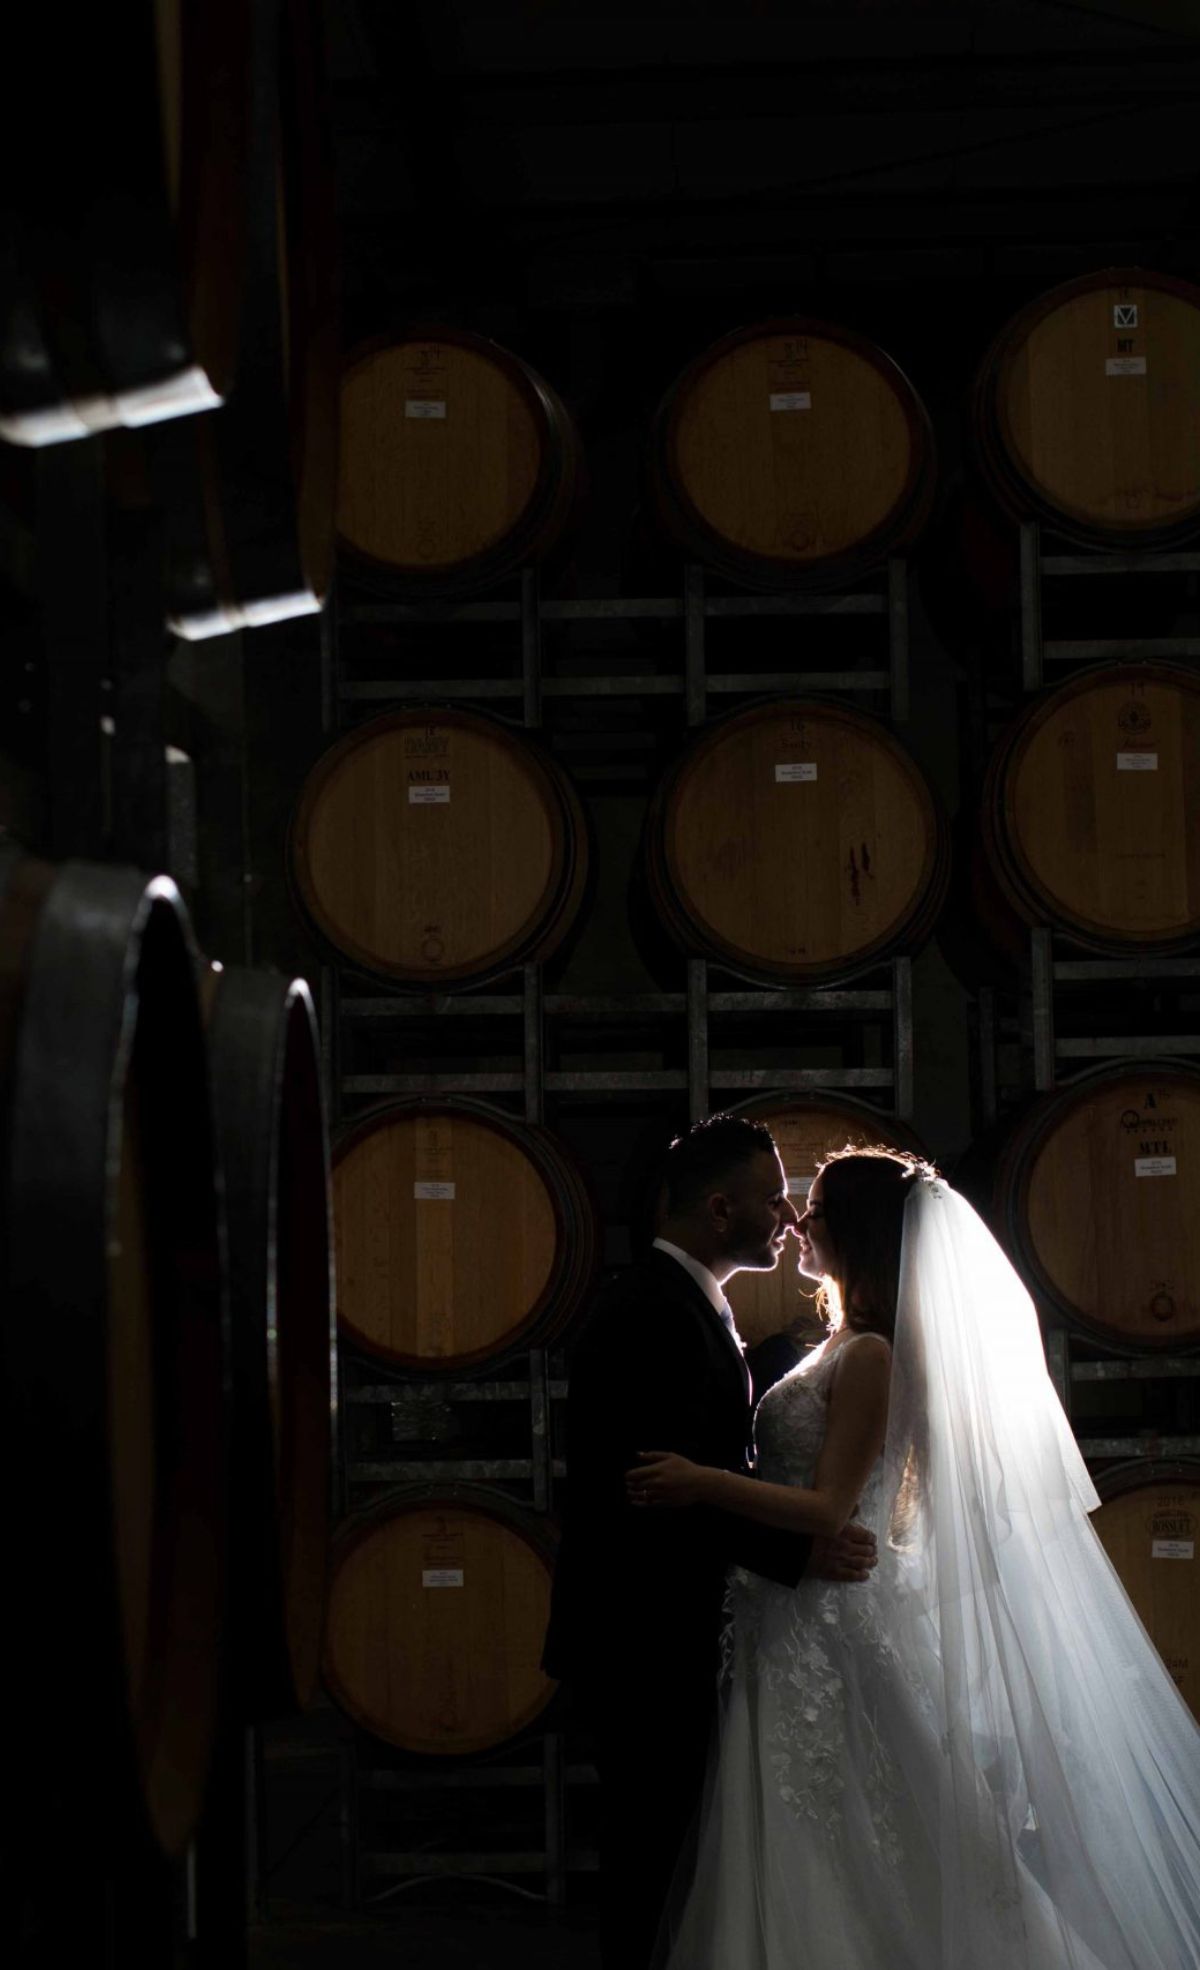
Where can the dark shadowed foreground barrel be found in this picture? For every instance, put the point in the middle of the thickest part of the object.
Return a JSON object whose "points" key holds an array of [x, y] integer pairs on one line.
{"points": [[461, 1233], [796, 841], [121, 289], [1150, 1525], [439, 848], [806, 1128], [1098, 1199], [459, 464], [250, 489], [114, 1347], [265, 1062], [793, 452], [1086, 408], [437, 1611], [1088, 818]]}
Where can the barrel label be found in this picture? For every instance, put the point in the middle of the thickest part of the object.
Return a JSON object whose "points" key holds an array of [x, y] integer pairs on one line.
{"points": [[435, 1193], [1125, 366], [791, 400], [442, 1576], [425, 408], [799, 1186], [1137, 762], [1154, 1166], [1172, 1549], [1125, 314], [794, 770], [424, 795]]}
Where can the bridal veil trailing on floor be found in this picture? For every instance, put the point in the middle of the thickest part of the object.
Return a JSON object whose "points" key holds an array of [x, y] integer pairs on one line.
{"points": [[977, 1759]]}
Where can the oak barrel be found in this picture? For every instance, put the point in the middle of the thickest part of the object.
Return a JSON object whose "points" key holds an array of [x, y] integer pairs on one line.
{"points": [[796, 841], [793, 452], [120, 291], [264, 1055], [439, 848], [1150, 1525], [1098, 1198], [1089, 804], [806, 1128], [250, 489], [461, 1234], [1086, 410], [114, 1345], [438, 1605], [459, 464]]}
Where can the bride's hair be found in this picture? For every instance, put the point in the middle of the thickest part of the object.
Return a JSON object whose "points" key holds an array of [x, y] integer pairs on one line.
{"points": [[863, 1193]]}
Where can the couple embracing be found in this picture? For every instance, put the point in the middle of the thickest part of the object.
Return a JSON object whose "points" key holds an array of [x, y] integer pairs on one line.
{"points": [[879, 1702]]}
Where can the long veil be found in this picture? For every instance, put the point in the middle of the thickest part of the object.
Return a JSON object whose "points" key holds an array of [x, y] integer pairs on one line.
{"points": [[1065, 1800]]}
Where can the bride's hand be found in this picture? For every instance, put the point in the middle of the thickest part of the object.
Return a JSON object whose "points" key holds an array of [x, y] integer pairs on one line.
{"points": [[663, 1478]]}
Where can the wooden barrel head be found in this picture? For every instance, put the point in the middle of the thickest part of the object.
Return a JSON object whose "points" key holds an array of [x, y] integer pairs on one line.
{"points": [[806, 1129], [457, 462], [1088, 810], [437, 1616], [797, 841], [1150, 1526], [1088, 408], [449, 1233], [437, 847], [791, 449], [1099, 1191]]}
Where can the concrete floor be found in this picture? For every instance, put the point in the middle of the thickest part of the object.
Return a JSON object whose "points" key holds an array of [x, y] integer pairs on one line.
{"points": [[476, 1937]]}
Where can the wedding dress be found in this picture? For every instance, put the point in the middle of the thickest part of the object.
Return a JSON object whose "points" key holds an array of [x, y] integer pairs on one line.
{"points": [[976, 1760]]}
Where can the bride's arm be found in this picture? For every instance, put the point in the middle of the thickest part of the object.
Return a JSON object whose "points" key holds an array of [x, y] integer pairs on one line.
{"points": [[854, 1436]]}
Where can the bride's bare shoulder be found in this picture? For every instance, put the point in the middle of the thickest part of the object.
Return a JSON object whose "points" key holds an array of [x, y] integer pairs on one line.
{"points": [[864, 1357]]}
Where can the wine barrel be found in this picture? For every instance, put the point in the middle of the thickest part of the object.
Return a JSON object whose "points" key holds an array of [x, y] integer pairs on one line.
{"points": [[120, 294], [438, 848], [266, 1073], [1085, 408], [793, 453], [459, 464], [438, 1604], [795, 842], [461, 1234], [1149, 1523], [114, 1345], [1098, 1198], [806, 1128], [1088, 805], [249, 490]]}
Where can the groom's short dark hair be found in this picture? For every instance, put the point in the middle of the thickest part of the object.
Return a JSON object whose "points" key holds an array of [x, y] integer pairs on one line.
{"points": [[700, 1161]]}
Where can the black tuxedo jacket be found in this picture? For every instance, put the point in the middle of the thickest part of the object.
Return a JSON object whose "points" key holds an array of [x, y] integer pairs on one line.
{"points": [[639, 1590]]}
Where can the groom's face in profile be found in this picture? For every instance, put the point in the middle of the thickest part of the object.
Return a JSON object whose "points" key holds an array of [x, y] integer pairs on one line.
{"points": [[760, 1213]]}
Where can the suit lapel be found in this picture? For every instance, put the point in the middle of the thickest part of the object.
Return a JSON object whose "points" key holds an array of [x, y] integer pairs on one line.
{"points": [[684, 1287]]}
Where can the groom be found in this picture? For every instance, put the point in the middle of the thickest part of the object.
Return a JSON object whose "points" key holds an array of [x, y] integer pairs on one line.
{"points": [[636, 1615]]}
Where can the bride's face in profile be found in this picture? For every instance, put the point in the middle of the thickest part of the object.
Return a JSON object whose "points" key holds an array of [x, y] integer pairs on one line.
{"points": [[816, 1253]]}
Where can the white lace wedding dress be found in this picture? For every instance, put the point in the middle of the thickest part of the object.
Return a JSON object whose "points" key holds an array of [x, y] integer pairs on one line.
{"points": [[845, 1828]]}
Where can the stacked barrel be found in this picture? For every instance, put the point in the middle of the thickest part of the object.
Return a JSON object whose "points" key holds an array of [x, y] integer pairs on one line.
{"points": [[168, 1338], [1085, 415], [437, 850], [167, 1345], [185, 289]]}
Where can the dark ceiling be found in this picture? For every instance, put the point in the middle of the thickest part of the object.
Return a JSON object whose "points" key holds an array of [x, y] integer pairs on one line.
{"points": [[591, 153]]}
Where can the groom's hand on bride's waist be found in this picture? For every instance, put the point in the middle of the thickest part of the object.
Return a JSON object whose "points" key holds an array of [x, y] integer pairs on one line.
{"points": [[851, 1556]]}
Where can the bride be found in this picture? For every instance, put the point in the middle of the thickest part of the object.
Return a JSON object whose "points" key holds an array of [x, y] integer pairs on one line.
{"points": [[977, 1761]]}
